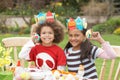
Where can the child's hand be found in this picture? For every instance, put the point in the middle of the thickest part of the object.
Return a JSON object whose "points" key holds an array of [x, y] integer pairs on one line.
{"points": [[35, 38], [97, 37]]}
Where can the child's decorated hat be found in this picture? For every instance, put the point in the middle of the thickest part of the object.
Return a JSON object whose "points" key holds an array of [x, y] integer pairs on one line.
{"points": [[42, 17], [77, 23]]}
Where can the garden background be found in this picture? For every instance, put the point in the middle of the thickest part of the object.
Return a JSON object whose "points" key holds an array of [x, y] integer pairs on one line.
{"points": [[17, 16]]}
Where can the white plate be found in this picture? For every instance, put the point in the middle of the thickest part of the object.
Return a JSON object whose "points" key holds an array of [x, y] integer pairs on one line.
{"points": [[37, 75]]}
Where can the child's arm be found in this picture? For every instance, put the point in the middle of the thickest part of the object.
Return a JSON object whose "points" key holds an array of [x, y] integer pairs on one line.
{"points": [[107, 52], [24, 53]]}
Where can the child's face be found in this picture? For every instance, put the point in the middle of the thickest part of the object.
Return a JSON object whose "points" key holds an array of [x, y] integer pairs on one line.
{"points": [[75, 38], [47, 35]]}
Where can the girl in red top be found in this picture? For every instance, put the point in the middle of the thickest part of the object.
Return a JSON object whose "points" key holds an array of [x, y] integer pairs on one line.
{"points": [[47, 55]]}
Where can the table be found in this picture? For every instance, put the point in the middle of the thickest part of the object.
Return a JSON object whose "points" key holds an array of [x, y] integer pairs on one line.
{"points": [[36, 74]]}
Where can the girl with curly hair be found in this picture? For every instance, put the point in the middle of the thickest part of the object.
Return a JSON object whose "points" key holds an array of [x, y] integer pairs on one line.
{"points": [[47, 55]]}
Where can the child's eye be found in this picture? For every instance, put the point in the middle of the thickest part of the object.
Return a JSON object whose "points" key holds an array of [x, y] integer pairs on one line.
{"points": [[43, 33], [50, 33], [70, 35], [77, 35]]}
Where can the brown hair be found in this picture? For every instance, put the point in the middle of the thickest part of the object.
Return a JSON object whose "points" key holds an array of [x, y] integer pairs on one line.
{"points": [[57, 28]]}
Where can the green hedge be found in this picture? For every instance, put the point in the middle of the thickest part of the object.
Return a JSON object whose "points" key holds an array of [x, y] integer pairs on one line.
{"points": [[109, 26]]}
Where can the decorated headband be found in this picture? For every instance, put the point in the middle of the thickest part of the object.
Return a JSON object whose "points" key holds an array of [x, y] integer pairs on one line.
{"points": [[42, 17], [78, 23]]}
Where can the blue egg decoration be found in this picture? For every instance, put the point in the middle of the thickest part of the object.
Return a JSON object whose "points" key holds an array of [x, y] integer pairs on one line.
{"points": [[41, 18]]}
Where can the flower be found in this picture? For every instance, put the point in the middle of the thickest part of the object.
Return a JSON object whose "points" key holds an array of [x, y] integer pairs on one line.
{"points": [[58, 4], [56, 15], [5, 58]]}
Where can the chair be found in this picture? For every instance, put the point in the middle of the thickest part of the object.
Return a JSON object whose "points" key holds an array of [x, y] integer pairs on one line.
{"points": [[117, 73], [103, 68], [15, 42]]}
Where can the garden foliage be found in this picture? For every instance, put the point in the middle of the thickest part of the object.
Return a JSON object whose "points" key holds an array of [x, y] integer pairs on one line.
{"points": [[109, 26]]}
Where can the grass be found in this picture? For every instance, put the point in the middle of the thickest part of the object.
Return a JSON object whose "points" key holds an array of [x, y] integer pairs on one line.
{"points": [[113, 39]]}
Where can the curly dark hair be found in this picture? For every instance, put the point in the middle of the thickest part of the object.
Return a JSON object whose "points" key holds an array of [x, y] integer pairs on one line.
{"points": [[57, 28]]}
